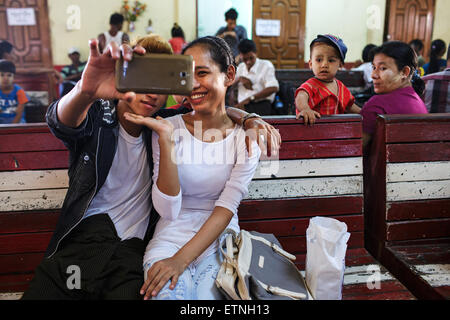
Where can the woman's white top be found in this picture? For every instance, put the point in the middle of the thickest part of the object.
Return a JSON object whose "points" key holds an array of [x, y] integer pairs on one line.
{"points": [[210, 174], [367, 69]]}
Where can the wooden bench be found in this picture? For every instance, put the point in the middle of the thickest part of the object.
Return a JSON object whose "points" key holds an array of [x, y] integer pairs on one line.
{"points": [[33, 183], [407, 201], [320, 173]]}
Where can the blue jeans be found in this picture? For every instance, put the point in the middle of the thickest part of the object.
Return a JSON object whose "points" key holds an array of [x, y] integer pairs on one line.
{"points": [[197, 282]]}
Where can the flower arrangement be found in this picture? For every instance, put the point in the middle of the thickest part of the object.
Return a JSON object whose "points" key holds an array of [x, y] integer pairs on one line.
{"points": [[132, 13]]}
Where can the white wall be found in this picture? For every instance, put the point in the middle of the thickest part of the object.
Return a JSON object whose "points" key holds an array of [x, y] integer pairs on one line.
{"points": [[441, 28], [357, 22]]}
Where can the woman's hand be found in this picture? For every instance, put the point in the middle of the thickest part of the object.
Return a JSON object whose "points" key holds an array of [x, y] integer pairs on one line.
{"points": [[264, 134], [162, 127], [158, 275], [98, 78]]}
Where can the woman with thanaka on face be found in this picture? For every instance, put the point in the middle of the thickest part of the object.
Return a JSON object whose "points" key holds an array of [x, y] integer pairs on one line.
{"points": [[197, 195], [396, 83], [324, 94]]}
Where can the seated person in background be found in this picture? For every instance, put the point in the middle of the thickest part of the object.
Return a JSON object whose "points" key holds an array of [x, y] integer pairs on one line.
{"points": [[71, 74], [177, 41], [396, 82], [437, 89], [114, 33], [5, 50], [436, 63], [417, 46], [12, 96], [236, 31], [366, 66], [256, 80], [324, 94]]}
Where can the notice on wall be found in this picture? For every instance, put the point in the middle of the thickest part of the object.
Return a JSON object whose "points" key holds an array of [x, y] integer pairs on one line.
{"points": [[20, 16], [267, 28]]}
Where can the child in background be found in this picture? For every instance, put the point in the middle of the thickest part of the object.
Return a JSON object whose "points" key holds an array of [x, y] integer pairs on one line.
{"points": [[324, 94], [177, 41], [12, 96]]}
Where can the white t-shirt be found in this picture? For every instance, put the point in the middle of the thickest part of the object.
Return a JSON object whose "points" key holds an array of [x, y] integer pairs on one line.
{"points": [[367, 69], [261, 74], [210, 175], [125, 195]]}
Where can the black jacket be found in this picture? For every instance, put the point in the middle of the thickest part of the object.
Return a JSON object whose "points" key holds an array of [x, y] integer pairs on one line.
{"points": [[92, 147]]}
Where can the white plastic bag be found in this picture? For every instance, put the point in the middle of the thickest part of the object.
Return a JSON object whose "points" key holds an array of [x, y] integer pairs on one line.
{"points": [[326, 245]]}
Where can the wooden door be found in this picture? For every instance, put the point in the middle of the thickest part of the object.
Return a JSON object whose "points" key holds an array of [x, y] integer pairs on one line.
{"points": [[287, 50], [32, 52], [410, 19]]}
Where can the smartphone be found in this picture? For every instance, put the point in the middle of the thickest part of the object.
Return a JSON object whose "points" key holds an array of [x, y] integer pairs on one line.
{"points": [[156, 73]]}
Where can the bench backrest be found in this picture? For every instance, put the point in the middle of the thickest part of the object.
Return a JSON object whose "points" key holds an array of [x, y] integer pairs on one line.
{"points": [[319, 174], [33, 183], [407, 176]]}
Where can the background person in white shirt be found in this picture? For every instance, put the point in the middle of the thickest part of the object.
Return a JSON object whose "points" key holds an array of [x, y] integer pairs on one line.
{"points": [[256, 80], [366, 65], [200, 176], [114, 33]]}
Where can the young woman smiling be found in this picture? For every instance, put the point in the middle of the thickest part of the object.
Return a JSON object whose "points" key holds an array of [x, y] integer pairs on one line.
{"points": [[201, 173], [396, 83]]}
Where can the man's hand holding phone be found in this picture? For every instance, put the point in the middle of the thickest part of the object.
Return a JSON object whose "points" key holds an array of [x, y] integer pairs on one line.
{"points": [[98, 79], [97, 82]]}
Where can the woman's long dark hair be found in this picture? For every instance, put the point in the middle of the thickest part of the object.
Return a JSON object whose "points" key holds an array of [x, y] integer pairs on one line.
{"points": [[437, 50], [404, 56]]}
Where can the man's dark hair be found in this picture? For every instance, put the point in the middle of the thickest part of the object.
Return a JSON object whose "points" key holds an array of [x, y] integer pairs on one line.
{"points": [[7, 66], [246, 46], [366, 52], [116, 19], [417, 44], [231, 14], [5, 47]]}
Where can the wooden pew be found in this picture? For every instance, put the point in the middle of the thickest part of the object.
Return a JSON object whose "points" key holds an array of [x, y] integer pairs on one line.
{"points": [[320, 173], [33, 182], [407, 201]]}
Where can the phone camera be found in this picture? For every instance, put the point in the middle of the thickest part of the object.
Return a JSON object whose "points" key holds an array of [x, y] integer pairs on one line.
{"points": [[182, 74]]}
